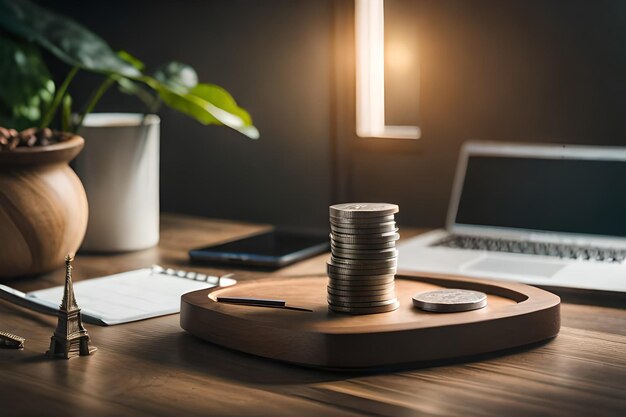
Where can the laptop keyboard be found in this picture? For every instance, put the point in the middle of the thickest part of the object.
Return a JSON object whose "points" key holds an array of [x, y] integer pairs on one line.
{"points": [[533, 248]]}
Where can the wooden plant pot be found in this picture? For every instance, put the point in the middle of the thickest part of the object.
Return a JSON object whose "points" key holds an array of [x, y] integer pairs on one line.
{"points": [[43, 208]]}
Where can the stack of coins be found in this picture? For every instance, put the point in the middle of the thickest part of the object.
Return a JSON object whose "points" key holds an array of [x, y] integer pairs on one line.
{"points": [[363, 258]]}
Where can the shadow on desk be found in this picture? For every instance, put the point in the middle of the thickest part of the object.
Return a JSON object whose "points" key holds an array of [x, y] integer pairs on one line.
{"points": [[182, 350], [589, 297]]}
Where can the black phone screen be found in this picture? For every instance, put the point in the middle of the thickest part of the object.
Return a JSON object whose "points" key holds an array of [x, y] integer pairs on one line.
{"points": [[273, 248]]}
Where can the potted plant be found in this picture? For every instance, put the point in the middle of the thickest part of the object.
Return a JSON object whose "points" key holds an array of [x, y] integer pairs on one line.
{"points": [[29, 97]]}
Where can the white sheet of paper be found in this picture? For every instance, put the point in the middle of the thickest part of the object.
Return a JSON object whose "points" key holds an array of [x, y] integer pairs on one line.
{"points": [[129, 296]]}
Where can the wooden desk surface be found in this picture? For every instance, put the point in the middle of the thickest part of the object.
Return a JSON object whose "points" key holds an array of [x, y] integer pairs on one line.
{"points": [[154, 368]]}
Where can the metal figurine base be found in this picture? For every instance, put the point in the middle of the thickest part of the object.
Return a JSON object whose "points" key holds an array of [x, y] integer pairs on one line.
{"points": [[70, 338]]}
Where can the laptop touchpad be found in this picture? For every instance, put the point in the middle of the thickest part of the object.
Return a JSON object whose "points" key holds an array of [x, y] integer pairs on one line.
{"points": [[502, 265]]}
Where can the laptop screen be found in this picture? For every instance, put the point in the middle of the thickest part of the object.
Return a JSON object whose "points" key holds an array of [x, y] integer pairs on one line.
{"points": [[554, 195]]}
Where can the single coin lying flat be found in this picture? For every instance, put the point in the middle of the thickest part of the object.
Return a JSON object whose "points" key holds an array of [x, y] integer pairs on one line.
{"points": [[450, 300]]}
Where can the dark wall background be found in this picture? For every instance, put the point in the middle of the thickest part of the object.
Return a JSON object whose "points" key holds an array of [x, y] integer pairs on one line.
{"points": [[274, 58], [544, 71], [552, 71]]}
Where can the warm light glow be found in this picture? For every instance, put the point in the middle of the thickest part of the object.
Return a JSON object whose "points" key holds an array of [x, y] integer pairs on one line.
{"points": [[399, 57], [370, 74]]}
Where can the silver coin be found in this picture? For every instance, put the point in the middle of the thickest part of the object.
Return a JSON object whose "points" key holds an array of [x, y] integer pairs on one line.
{"points": [[377, 232], [389, 261], [336, 303], [450, 300], [352, 290], [362, 221], [365, 259], [345, 293], [367, 243], [383, 236], [374, 246], [369, 298], [364, 239], [367, 255], [365, 269], [359, 258], [368, 226], [360, 285], [360, 293], [364, 232], [361, 297], [372, 284], [364, 287], [350, 271], [366, 251], [361, 250], [386, 254], [365, 279], [360, 288], [365, 310], [359, 210], [345, 277], [363, 263]]}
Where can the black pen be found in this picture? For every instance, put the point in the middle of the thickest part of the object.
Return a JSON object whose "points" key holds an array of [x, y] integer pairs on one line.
{"points": [[253, 301]]}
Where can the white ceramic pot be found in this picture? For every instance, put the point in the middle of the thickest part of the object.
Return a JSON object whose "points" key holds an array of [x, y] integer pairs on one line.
{"points": [[119, 168]]}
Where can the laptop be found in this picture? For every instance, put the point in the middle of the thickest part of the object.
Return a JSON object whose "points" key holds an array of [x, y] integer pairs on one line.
{"points": [[546, 215]]}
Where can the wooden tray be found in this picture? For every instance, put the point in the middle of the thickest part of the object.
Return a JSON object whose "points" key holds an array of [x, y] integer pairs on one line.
{"points": [[515, 315]]}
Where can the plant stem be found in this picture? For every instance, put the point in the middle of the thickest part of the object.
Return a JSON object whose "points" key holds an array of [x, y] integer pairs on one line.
{"points": [[47, 119], [156, 105], [95, 98], [66, 113]]}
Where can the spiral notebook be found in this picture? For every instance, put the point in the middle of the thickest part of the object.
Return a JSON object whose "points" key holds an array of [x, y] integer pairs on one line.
{"points": [[133, 295]]}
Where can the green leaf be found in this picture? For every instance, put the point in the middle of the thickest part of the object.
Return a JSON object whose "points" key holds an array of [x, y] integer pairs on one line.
{"points": [[58, 97], [133, 88], [177, 76], [132, 60], [63, 37], [26, 88], [221, 98], [208, 104], [175, 83]]}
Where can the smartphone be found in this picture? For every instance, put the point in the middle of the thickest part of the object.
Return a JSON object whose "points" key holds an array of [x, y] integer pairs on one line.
{"points": [[273, 249]]}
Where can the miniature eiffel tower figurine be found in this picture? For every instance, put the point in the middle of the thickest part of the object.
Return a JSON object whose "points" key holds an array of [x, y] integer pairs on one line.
{"points": [[70, 337]]}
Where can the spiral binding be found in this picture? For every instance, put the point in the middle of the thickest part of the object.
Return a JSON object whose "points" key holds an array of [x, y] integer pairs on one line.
{"points": [[10, 340], [196, 276]]}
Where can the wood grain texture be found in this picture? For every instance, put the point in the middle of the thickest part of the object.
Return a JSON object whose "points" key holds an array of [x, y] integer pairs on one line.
{"points": [[43, 208], [154, 368], [515, 315]]}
